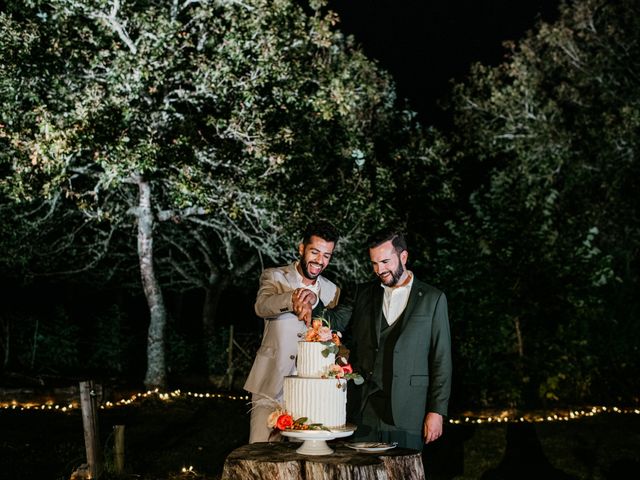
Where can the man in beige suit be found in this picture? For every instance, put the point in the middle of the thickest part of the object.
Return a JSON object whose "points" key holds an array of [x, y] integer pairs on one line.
{"points": [[286, 298]]}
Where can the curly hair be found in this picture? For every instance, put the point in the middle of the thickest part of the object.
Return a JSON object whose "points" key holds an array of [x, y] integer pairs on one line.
{"points": [[322, 229]]}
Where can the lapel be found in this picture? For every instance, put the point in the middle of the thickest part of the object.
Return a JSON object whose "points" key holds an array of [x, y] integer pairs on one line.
{"points": [[417, 292], [377, 294]]}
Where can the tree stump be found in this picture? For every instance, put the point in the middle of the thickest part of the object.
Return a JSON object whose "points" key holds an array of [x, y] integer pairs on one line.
{"points": [[279, 461]]}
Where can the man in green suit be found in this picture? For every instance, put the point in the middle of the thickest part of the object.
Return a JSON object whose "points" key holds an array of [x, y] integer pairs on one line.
{"points": [[400, 342]]}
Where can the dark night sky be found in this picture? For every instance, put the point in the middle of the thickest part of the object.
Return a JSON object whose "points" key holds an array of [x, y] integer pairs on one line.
{"points": [[425, 43]]}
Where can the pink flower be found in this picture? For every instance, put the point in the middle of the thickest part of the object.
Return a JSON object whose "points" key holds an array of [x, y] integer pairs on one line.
{"points": [[324, 334], [319, 332], [336, 370], [347, 368]]}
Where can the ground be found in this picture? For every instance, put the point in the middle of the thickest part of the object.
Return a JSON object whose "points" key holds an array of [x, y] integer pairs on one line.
{"points": [[161, 438]]}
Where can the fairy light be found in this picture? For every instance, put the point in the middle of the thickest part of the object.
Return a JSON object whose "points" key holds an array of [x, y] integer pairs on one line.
{"points": [[538, 417], [189, 471], [134, 398], [506, 416]]}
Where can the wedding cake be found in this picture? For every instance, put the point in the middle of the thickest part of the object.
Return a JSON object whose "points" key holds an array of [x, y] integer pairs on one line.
{"points": [[310, 393]]}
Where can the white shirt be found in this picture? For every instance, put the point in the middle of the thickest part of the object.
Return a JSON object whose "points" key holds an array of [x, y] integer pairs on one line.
{"points": [[395, 300]]}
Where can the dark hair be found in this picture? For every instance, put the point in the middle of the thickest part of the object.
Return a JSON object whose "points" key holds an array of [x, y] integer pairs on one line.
{"points": [[322, 229], [388, 234]]}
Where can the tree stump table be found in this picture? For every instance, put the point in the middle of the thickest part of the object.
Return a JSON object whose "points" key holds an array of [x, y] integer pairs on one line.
{"points": [[279, 461]]}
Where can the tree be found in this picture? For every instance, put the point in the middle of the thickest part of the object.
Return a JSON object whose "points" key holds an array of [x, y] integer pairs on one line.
{"points": [[544, 256], [225, 124]]}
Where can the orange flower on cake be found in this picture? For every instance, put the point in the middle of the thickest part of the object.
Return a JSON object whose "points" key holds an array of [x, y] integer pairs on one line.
{"points": [[284, 421], [318, 332]]}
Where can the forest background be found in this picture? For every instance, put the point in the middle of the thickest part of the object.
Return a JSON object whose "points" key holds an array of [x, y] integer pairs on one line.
{"points": [[155, 156]]}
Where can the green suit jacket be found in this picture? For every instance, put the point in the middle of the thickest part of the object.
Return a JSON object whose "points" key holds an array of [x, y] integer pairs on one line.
{"points": [[422, 365]]}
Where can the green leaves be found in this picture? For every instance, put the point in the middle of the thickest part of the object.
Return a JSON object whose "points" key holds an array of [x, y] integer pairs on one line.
{"points": [[246, 113], [331, 348], [550, 133]]}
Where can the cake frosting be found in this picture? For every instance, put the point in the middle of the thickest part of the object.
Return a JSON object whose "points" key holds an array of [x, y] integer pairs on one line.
{"points": [[311, 363], [307, 394]]}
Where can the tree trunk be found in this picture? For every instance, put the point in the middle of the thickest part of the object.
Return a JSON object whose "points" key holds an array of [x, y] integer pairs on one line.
{"points": [[156, 376], [520, 343], [266, 461], [35, 344]]}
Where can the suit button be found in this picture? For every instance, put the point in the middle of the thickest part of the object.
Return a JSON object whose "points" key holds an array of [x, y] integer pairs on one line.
{"points": [[292, 357], [370, 373]]}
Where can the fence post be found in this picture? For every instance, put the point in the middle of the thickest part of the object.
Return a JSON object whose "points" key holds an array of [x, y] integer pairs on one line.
{"points": [[88, 402], [230, 359], [118, 435]]}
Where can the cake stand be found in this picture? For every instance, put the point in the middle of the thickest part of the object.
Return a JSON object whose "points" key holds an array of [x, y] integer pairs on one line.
{"points": [[315, 441]]}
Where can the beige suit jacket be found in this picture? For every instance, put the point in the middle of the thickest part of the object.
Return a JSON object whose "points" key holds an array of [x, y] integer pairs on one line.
{"points": [[276, 356]]}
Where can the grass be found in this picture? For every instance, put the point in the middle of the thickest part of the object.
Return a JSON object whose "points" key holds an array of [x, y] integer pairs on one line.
{"points": [[603, 447], [163, 437]]}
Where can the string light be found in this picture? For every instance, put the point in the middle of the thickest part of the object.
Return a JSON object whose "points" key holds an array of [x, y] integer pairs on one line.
{"points": [[189, 470], [137, 397], [507, 416], [537, 417]]}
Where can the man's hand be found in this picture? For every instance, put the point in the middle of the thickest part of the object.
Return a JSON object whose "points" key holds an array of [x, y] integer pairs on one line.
{"points": [[306, 314], [304, 295], [432, 428], [303, 300]]}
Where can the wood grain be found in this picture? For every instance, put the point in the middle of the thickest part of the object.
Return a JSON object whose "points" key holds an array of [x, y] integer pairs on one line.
{"points": [[279, 461]]}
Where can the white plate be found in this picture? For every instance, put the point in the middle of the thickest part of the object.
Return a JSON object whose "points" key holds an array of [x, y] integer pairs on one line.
{"points": [[371, 446]]}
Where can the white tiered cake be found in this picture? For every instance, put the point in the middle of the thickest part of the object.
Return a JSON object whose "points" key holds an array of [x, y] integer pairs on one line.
{"points": [[320, 400]]}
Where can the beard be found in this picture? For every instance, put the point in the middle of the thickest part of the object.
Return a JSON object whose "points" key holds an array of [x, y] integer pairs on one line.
{"points": [[394, 277], [305, 269]]}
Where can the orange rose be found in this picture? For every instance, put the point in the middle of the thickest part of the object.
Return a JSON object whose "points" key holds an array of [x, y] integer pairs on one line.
{"points": [[316, 324], [335, 338], [284, 421]]}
